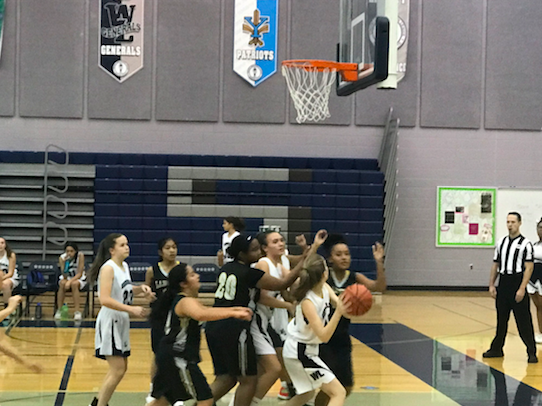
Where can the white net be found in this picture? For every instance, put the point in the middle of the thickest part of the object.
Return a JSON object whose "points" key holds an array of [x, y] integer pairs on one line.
{"points": [[310, 89]]}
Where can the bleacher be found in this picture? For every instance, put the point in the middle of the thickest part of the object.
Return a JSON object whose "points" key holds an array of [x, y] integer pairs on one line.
{"points": [[147, 196]]}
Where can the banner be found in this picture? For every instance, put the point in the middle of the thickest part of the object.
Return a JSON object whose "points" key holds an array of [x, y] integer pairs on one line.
{"points": [[255, 39], [121, 37], [402, 38]]}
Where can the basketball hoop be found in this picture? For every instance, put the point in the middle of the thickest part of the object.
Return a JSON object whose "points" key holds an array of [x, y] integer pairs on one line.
{"points": [[309, 82]]}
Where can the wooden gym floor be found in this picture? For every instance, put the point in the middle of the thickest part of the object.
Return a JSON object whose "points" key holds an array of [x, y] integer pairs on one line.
{"points": [[412, 348]]}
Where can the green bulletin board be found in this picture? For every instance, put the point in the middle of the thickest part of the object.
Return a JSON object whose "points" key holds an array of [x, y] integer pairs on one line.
{"points": [[465, 217]]}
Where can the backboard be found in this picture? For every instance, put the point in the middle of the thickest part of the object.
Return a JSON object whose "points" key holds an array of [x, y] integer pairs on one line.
{"points": [[364, 39]]}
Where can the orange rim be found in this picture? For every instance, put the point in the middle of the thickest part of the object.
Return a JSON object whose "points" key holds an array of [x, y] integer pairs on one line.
{"points": [[348, 71]]}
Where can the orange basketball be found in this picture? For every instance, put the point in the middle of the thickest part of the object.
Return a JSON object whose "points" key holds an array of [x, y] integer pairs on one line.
{"points": [[360, 299]]}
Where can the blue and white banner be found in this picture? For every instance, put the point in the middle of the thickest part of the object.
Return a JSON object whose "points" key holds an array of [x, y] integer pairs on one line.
{"points": [[255, 39]]}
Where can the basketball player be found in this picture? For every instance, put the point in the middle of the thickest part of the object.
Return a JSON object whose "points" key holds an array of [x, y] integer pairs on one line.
{"points": [[178, 377], [311, 326], [9, 279], [337, 352], [5, 348], [233, 226], [534, 288], [157, 278], [72, 278], [112, 339], [230, 342], [271, 317]]}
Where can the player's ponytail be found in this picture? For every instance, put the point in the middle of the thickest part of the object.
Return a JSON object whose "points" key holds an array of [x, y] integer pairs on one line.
{"points": [[160, 310], [102, 255], [311, 274]]}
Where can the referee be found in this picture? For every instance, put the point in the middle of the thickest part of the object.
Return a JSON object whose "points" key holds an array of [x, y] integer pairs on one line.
{"points": [[513, 261]]}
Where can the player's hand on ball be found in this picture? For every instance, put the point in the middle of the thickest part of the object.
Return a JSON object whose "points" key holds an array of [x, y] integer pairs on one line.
{"points": [[343, 306]]}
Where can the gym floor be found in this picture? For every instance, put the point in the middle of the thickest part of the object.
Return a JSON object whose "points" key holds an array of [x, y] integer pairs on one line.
{"points": [[412, 348]]}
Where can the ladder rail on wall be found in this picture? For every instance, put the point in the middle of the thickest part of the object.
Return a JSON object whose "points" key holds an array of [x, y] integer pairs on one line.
{"points": [[59, 170], [388, 165]]}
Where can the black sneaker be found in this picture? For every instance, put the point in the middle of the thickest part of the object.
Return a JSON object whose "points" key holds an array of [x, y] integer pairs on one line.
{"points": [[533, 359], [493, 354]]}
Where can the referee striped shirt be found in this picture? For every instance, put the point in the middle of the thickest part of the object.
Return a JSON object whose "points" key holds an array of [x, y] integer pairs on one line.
{"points": [[511, 254]]}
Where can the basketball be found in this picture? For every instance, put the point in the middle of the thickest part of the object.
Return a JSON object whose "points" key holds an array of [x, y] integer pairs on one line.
{"points": [[360, 299]]}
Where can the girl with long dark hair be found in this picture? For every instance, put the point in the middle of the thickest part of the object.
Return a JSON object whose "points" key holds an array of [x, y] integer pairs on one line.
{"points": [[157, 277], [178, 377], [116, 292], [72, 278]]}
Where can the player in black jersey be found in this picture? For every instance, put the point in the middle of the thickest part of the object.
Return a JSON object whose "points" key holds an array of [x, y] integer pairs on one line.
{"points": [[230, 342], [157, 278], [337, 352], [178, 376]]}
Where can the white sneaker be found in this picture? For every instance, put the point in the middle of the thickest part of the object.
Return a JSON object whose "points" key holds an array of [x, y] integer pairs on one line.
{"points": [[538, 338], [149, 398], [57, 315], [76, 316]]}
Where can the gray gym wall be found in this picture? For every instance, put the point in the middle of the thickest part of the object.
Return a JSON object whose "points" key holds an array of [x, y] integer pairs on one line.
{"points": [[469, 105]]}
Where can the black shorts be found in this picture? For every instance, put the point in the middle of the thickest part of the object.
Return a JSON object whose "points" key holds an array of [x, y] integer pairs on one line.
{"points": [[231, 347], [157, 333], [178, 380], [338, 357]]}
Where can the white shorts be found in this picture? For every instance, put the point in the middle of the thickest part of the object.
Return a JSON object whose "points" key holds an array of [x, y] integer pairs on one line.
{"points": [[279, 322], [82, 282], [15, 281], [112, 335], [263, 344], [306, 379], [533, 288]]}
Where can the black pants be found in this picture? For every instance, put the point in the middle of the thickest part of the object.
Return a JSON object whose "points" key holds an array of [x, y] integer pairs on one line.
{"points": [[506, 302]]}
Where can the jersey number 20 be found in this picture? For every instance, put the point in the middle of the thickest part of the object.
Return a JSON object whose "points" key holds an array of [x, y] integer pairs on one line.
{"points": [[227, 286]]}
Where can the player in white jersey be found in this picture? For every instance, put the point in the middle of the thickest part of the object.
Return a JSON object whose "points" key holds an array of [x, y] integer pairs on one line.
{"points": [[233, 226], [534, 288], [310, 327], [72, 278], [270, 320], [116, 293], [9, 277]]}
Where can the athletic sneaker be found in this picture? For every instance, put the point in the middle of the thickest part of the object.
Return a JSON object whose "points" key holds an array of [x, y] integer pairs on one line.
{"points": [[58, 316], [284, 393], [76, 316]]}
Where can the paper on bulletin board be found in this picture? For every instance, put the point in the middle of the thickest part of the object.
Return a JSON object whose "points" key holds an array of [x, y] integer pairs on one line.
{"points": [[465, 217]]}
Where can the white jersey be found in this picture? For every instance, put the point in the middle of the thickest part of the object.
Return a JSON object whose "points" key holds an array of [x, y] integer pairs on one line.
{"points": [[4, 266], [71, 267], [280, 318], [112, 335], [298, 329], [226, 242], [121, 290]]}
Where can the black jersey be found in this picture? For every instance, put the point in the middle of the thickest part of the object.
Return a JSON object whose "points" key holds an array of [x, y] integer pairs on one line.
{"points": [[159, 281], [237, 285], [182, 334], [341, 333]]}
